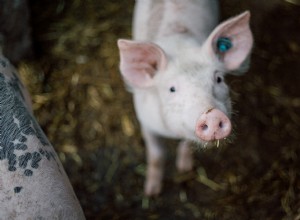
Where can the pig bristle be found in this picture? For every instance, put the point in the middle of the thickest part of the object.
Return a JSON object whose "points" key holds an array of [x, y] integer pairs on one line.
{"points": [[198, 146]]}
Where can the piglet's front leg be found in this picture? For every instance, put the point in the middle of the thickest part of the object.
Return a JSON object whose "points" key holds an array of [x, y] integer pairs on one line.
{"points": [[155, 166], [184, 160]]}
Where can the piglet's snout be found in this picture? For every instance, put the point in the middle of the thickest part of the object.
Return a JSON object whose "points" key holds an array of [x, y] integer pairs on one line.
{"points": [[213, 125]]}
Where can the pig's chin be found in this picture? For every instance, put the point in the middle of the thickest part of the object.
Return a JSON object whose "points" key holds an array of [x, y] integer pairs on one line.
{"points": [[210, 143], [193, 138], [199, 141]]}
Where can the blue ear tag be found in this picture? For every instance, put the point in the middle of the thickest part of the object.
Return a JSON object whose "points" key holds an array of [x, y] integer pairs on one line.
{"points": [[224, 44]]}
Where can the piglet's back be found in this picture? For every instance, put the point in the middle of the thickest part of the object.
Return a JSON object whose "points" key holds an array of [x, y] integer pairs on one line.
{"points": [[156, 19]]}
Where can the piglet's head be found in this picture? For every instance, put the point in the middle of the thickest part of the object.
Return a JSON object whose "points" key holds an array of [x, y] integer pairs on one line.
{"points": [[140, 61]]}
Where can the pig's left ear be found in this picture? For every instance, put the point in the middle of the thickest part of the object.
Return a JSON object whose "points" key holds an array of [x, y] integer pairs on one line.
{"points": [[140, 62], [231, 42]]}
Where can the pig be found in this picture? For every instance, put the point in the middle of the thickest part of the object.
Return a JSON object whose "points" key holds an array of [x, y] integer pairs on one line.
{"points": [[175, 68], [33, 183]]}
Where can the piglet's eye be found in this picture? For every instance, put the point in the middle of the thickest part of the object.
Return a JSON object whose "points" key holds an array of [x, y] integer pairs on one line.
{"points": [[172, 89], [218, 77]]}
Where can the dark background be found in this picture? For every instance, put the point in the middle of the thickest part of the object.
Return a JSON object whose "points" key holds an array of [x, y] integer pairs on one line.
{"points": [[85, 110]]}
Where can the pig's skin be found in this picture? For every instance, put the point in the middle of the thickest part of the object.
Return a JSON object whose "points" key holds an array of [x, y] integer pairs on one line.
{"points": [[175, 48], [155, 20], [33, 183]]}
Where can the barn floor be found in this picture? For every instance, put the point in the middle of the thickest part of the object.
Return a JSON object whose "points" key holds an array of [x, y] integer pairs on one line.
{"points": [[85, 110]]}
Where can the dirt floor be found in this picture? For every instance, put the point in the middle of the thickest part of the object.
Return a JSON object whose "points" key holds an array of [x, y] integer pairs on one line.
{"points": [[85, 110]]}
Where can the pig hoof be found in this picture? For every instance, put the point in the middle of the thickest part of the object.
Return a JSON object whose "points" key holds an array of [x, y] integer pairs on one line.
{"points": [[152, 188]]}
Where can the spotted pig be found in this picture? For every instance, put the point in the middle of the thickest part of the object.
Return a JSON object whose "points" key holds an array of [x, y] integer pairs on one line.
{"points": [[33, 183]]}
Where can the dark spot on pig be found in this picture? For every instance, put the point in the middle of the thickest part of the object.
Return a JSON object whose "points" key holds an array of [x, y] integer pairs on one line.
{"points": [[21, 147], [2, 156], [36, 157], [18, 189], [48, 156], [28, 172], [23, 159], [23, 139], [42, 152], [12, 160], [12, 168]]}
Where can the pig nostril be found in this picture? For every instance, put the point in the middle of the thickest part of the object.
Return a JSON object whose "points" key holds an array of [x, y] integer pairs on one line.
{"points": [[204, 127], [221, 124]]}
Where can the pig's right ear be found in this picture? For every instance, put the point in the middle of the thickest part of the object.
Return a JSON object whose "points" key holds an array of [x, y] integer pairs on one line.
{"points": [[139, 62]]}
